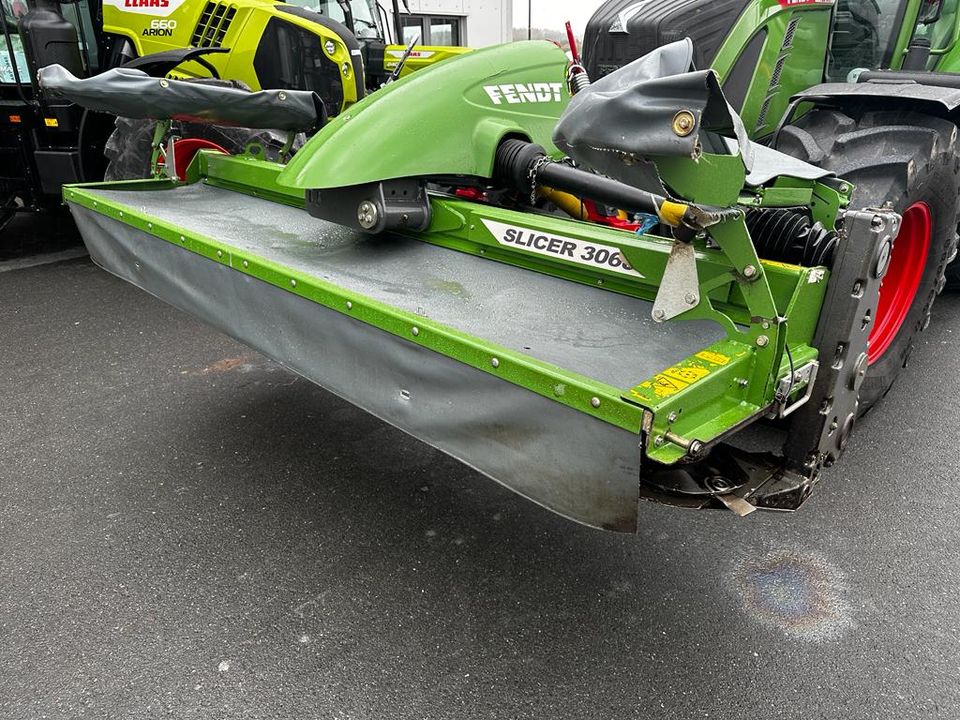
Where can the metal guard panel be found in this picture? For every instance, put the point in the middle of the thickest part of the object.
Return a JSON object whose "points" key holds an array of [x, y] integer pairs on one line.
{"points": [[446, 120], [577, 466]]}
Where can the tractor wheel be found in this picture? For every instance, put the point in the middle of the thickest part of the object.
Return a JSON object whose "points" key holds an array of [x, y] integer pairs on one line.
{"points": [[129, 149], [910, 162]]}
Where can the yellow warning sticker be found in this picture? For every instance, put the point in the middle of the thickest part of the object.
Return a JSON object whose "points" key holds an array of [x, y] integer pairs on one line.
{"points": [[664, 386], [689, 374], [51, 122], [713, 357]]}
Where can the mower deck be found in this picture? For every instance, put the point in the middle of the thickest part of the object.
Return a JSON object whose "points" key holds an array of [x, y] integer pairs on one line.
{"points": [[518, 374], [580, 329]]}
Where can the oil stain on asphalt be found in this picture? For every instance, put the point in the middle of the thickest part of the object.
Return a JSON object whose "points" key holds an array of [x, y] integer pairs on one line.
{"points": [[800, 594]]}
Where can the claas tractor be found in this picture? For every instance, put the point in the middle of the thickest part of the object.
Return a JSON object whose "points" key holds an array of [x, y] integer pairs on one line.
{"points": [[339, 50], [680, 277]]}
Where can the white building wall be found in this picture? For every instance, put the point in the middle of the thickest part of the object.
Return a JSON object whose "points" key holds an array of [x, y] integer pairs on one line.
{"points": [[485, 22]]}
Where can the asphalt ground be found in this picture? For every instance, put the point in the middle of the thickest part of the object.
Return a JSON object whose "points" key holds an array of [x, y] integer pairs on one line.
{"points": [[189, 531]]}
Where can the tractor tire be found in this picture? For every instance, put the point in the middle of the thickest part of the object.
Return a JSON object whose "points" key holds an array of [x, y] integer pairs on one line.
{"points": [[910, 162], [129, 149]]}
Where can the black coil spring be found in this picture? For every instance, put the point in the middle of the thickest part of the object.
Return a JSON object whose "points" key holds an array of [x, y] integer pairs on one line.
{"points": [[792, 237]]}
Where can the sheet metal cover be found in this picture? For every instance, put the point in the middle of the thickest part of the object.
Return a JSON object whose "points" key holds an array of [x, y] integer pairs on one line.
{"points": [[134, 94]]}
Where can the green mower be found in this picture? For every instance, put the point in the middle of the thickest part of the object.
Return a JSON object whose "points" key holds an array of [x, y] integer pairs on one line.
{"points": [[593, 294]]}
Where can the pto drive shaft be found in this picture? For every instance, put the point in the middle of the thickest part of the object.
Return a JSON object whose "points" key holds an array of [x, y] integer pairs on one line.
{"points": [[527, 167]]}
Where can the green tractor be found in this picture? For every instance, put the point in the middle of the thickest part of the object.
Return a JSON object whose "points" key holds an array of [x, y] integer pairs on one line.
{"points": [[868, 89], [337, 49]]}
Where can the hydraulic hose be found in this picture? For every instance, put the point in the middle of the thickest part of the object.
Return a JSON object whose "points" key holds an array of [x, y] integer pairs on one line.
{"points": [[527, 167]]}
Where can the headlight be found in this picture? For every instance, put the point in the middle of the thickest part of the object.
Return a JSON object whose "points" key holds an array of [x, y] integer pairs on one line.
{"points": [[330, 46]]}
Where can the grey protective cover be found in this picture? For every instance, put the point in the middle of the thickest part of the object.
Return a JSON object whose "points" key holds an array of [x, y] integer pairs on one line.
{"points": [[626, 118], [134, 94]]}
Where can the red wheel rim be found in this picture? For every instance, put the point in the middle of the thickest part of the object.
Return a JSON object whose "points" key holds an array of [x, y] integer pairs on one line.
{"points": [[186, 150], [902, 281]]}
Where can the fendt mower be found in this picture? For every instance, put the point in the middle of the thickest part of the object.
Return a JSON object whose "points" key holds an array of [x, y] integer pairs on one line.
{"points": [[338, 49], [699, 282]]}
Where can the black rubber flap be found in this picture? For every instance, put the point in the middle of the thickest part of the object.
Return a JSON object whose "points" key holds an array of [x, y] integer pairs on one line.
{"points": [[627, 117], [134, 94]]}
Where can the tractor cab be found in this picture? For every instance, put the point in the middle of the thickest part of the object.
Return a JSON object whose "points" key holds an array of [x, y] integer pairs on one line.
{"points": [[907, 35], [45, 143]]}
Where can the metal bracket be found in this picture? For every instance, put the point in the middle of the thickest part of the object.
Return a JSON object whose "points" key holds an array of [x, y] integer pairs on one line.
{"points": [[680, 286], [803, 377]]}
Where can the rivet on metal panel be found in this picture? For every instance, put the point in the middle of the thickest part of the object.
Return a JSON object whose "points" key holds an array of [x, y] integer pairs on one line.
{"points": [[182, 239], [349, 305], [415, 331], [595, 402], [293, 283], [495, 362], [219, 253], [246, 264]]}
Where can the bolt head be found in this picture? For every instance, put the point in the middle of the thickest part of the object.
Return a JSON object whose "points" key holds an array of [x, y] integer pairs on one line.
{"points": [[763, 341], [495, 362], [684, 123], [368, 215], [691, 299], [415, 331], [750, 271], [883, 259], [659, 315], [595, 402]]}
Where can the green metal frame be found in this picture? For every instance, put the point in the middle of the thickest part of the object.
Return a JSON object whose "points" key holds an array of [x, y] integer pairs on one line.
{"points": [[764, 307]]}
